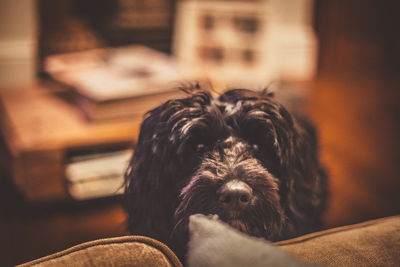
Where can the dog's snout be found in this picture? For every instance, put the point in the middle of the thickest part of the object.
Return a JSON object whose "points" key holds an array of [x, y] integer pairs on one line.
{"points": [[235, 193]]}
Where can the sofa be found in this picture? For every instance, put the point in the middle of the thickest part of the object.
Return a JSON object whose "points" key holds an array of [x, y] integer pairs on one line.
{"points": [[371, 243]]}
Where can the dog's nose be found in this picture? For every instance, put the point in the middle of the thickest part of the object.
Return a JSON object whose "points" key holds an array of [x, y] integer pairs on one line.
{"points": [[235, 193]]}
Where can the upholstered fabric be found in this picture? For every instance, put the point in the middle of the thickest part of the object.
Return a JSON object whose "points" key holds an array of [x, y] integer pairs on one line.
{"points": [[119, 251], [371, 243]]}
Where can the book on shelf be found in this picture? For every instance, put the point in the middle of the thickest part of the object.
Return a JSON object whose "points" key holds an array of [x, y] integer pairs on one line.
{"points": [[117, 83], [97, 175]]}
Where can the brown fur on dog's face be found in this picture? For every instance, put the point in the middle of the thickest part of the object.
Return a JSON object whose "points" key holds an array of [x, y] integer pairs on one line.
{"points": [[233, 161], [241, 156]]}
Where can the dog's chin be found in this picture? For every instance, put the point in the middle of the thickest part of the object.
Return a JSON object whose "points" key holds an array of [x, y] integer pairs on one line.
{"points": [[241, 225]]}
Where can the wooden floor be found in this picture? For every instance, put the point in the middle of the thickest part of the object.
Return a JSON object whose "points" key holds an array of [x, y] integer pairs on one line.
{"points": [[28, 232], [359, 124]]}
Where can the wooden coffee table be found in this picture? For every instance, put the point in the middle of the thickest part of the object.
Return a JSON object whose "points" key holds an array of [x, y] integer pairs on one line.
{"points": [[41, 130]]}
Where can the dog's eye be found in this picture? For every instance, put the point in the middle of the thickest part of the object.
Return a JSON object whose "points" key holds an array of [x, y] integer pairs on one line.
{"points": [[255, 147], [200, 147]]}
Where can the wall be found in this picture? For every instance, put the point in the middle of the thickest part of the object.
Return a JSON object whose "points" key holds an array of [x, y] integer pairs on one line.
{"points": [[18, 34]]}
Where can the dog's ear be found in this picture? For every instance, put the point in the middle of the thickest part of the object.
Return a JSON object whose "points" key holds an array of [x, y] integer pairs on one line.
{"points": [[156, 164], [306, 181], [148, 171], [288, 148]]}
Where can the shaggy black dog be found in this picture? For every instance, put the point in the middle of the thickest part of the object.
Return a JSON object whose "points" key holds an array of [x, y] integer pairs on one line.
{"points": [[241, 156]]}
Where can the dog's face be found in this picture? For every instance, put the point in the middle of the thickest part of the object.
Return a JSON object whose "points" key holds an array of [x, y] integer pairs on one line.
{"points": [[241, 156], [232, 181]]}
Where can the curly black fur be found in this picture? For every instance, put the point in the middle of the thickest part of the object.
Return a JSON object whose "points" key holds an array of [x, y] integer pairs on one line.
{"points": [[189, 148]]}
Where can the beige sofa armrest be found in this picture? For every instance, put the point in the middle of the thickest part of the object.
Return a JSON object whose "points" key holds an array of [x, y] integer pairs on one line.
{"points": [[118, 251], [371, 243]]}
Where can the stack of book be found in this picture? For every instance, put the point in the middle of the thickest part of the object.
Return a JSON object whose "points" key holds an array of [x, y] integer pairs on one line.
{"points": [[117, 83], [97, 175]]}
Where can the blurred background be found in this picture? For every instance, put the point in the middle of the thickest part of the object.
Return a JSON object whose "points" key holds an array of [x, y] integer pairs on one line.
{"points": [[77, 76]]}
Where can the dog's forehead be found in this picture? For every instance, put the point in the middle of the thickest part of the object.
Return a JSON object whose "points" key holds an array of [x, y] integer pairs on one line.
{"points": [[233, 145], [232, 140]]}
